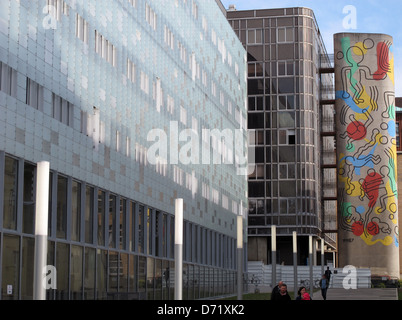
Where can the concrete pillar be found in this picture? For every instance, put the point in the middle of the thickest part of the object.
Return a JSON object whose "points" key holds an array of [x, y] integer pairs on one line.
{"points": [[41, 224], [366, 152]]}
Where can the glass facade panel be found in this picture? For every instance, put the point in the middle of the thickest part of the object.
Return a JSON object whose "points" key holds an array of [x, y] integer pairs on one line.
{"points": [[122, 224], [142, 273], [76, 211], [61, 219], [112, 221], [101, 217], [89, 214], [28, 213], [114, 271], [10, 268], [76, 274], [123, 273], [101, 269], [89, 274], [10, 193], [141, 233], [27, 276], [63, 268]]}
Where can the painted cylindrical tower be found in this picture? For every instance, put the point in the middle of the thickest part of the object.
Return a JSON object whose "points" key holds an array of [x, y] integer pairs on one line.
{"points": [[368, 234]]}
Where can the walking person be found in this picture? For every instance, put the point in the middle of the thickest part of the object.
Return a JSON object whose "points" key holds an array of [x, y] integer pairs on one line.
{"points": [[328, 275], [324, 286]]}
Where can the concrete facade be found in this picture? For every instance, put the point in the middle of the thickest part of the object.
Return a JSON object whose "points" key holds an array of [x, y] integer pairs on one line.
{"points": [[366, 153]]}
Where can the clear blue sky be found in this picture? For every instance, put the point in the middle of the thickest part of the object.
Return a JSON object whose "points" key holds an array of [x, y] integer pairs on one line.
{"points": [[372, 16]]}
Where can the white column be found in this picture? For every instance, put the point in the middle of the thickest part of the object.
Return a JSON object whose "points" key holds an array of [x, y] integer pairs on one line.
{"points": [[295, 263], [240, 257], [273, 249], [41, 226], [310, 259], [178, 250]]}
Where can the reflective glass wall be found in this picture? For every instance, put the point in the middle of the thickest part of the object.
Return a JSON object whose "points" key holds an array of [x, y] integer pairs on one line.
{"points": [[126, 254]]}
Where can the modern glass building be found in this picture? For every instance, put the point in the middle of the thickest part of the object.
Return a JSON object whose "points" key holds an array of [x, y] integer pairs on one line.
{"points": [[134, 104], [291, 112]]}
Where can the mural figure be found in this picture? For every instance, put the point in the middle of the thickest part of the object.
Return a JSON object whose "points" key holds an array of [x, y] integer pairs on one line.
{"points": [[366, 150]]}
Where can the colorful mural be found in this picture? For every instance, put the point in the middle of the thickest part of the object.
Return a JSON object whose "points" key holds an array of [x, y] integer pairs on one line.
{"points": [[366, 145]]}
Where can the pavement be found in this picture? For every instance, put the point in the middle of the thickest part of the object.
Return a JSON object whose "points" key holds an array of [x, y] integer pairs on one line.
{"points": [[358, 294]]}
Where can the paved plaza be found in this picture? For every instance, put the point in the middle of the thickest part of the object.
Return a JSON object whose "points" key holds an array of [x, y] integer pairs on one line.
{"points": [[359, 294]]}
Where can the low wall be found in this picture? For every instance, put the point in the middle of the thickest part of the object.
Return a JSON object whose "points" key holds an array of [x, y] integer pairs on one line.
{"points": [[260, 276]]}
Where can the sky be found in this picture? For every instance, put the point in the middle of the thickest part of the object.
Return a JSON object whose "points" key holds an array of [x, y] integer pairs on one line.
{"points": [[333, 16]]}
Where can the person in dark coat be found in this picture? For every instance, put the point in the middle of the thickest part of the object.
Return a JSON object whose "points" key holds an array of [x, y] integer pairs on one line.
{"points": [[276, 289], [283, 294]]}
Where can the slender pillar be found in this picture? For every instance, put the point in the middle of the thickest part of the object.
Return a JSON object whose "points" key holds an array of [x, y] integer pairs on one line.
{"points": [[240, 257], [178, 250], [322, 256], [273, 249], [366, 153], [295, 263], [41, 227], [310, 259]]}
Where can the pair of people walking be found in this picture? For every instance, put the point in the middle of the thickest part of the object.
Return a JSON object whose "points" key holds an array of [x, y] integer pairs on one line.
{"points": [[324, 283]]}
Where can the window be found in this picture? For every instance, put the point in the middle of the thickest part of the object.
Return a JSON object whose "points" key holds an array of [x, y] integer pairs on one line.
{"points": [[144, 82], [286, 119], [89, 211], [28, 212], [150, 16], [112, 221], [76, 212], [10, 193], [141, 233], [133, 3], [285, 35], [105, 48], [61, 226], [195, 10], [118, 141], [169, 37], [286, 85], [183, 115], [123, 222], [56, 8], [183, 52], [128, 143], [62, 110], [256, 103], [286, 102], [81, 29], [130, 70], [101, 217], [285, 68], [254, 36], [287, 137], [170, 104], [34, 96], [8, 80], [255, 69]]}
